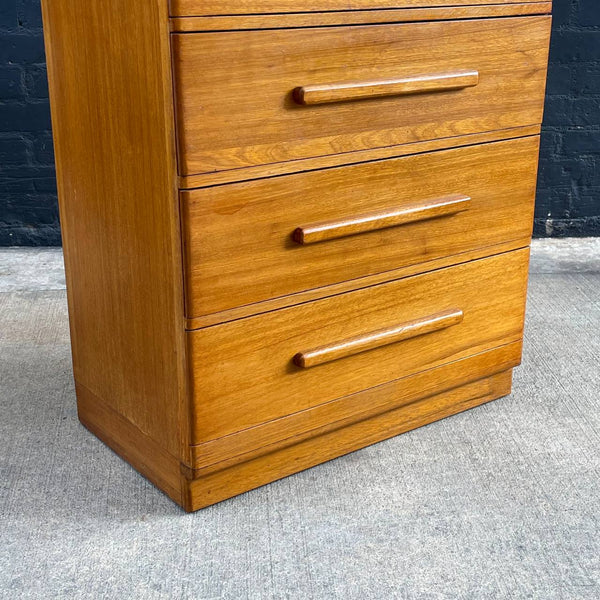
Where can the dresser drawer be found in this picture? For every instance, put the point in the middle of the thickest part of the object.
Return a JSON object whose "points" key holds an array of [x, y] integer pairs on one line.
{"points": [[260, 97], [182, 8], [261, 368], [253, 241]]}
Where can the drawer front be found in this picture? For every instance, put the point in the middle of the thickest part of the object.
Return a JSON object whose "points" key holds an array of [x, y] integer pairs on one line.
{"points": [[182, 8], [259, 97], [257, 240], [261, 368]]}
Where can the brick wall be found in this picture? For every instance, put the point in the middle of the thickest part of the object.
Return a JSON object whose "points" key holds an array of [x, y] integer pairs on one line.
{"points": [[569, 185], [28, 209], [568, 201]]}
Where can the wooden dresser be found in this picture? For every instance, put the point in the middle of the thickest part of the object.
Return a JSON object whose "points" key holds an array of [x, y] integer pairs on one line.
{"points": [[291, 229]]}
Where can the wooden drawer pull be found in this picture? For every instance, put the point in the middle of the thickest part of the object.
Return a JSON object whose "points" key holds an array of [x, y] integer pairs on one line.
{"points": [[344, 92], [383, 337], [330, 230]]}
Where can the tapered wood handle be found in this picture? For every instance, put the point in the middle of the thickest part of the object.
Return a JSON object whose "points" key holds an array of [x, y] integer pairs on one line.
{"points": [[331, 230], [344, 92], [377, 339]]}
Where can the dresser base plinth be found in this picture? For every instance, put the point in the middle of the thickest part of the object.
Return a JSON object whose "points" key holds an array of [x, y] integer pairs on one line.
{"points": [[265, 469], [164, 470], [143, 453]]}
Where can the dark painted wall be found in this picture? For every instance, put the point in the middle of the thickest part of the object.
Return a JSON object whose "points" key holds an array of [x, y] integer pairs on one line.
{"points": [[569, 191], [568, 201], [28, 209]]}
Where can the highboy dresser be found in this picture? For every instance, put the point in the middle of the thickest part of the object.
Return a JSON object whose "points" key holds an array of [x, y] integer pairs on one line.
{"points": [[291, 228]]}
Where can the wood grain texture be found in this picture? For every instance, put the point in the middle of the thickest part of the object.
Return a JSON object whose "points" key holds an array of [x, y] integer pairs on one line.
{"points": [[378, 339], [224, 452], [227, 7], [357, 17], [248, 310], [238, 238], [322, 330], [424, 211], [335, 160], [313, 95], [239, 447], [141, 451], [264, 469], [112, 114], [235, 106], [243, 373]]}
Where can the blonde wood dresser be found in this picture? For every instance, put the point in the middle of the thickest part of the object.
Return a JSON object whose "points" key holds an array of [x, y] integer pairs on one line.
{"points": [[291, 229]]}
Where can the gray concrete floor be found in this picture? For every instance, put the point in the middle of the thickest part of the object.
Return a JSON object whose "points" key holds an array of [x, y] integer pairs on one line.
{"points": [[499, 502]]}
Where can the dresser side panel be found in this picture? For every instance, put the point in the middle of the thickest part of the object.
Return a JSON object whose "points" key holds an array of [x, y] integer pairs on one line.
{"points": [[112, 111]]}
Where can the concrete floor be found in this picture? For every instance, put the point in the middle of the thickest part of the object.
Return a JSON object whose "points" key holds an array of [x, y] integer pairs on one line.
{"points": [[500, 502]]}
